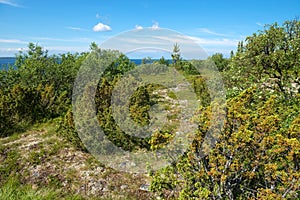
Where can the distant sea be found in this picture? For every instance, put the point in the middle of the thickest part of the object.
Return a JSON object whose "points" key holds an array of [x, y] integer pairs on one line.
{"points": [[6, 61]]}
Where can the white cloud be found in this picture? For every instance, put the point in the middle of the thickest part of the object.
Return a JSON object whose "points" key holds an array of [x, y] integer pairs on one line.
{"points": [[13, 50], [101, 27], [8, 51], [60, 39], [60, 49], [201, 41], [10, 3], [215, 42], [164, 39], [155, 25], [138, 27], [259, 24], [103, 18], [206, 30], [75, 28], [15, 41]]}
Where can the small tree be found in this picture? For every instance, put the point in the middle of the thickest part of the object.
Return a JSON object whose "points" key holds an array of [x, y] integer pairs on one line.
{"points": [[220, 62], [269, 58], [176, 54]]}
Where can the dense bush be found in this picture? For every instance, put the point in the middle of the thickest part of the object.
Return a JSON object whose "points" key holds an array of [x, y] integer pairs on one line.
{"points": [[38, 87], [257, 152], [269, 59], [256, 156]]}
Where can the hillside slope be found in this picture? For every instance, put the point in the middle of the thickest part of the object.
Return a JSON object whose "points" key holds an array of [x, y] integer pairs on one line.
{"points": [[42, 161]]}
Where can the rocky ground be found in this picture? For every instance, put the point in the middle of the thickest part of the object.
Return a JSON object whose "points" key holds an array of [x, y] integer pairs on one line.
{"points": [[40, 159]]}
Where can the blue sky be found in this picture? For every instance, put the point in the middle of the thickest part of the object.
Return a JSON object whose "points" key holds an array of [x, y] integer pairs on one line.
{"points": [[64, 25]]}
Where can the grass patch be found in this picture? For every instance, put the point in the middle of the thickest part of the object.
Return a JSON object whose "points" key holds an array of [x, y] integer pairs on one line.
{"points": [[9, 165], [172, 95], [13, 190]]}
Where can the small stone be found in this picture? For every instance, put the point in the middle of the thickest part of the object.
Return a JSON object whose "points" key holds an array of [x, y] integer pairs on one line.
{"points": [[145, 187], [34, 187], [99, 185], [123, 187], [35, 174]]}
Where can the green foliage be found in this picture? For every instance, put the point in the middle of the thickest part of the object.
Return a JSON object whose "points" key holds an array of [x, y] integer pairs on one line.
{"points": [[257, 153], [163, 61], [166, 179], [270, 59], [200, 88], [160, 138], [139, 106], [256, 156], [8, 167], [67, 130], [147, 60], [220, 62], [176, 54], [38, 88], [21, 106], [172, 95], [118, 64]]}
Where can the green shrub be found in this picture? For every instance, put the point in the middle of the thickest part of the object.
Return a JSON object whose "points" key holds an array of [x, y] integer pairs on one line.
{"points": [[257, 154]]}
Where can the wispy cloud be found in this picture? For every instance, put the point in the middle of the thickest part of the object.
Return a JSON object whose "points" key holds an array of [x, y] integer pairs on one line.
{"points": [[59, 49], [76, 28], [8, 51], [206, 30], [103, 18], [14, 41], [10, 3], [215, 41], [60, 39], [201, 41], [138, 27], [162, 39], [259, 24], [101, 27]]}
